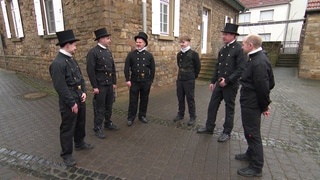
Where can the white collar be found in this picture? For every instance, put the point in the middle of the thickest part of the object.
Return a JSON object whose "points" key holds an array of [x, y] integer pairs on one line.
{"points": [[256, 50], [65, 52], [185, 49], [102, 46]]}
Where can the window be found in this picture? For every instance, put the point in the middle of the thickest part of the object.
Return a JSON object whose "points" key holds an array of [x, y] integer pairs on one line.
{"points": [[241, 37], [165, 18], [49, 16], [228, 20], [244, 17], [266, 15], [265, 36], [12, 20]]}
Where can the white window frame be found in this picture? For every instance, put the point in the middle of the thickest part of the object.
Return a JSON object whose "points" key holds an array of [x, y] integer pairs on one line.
{"points": [[265, 36], [245, 17], [173, 16], [164, 17], [228, 20], [42, 18], [266, 15], [16, 19], [241, 37]]}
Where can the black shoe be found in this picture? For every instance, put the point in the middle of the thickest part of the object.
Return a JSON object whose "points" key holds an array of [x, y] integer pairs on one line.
{"points": [[130, 123], [249, 172], [242, 157], [69, 161], [224, 137], [204, 131], [191, 121], [143, 119], [99, 134], [83, 146], [177, 118], [111, 126]]}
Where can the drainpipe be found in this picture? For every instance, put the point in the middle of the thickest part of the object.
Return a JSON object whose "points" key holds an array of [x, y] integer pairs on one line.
{"points": [[144, 15], [4, 56], [287, 24]]}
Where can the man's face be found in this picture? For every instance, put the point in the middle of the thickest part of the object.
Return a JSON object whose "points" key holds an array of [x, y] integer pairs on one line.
{"points": [[71, 47], [227, 37], [246, 47], [140, 43], [184, 44], [105, 41]]}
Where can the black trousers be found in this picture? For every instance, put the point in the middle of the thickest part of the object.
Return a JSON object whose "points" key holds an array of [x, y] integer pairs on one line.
{"points": [[102, 106], [185, 90], [142, 90], [251, 122], [72, 127], [228, 94]]}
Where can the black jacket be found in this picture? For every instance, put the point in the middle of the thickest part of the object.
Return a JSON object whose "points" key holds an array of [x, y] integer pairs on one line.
{"points": [[189, 65], [230, 64], [100, 67], [67, 77], [257, 80], [139, 66]]}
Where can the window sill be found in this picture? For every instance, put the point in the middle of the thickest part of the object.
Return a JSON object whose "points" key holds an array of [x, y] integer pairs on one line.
{"points": [[167, 38], [16, 39], [51, 36]]}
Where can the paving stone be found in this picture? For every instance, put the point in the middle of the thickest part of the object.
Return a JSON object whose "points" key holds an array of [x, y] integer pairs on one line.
{"points": [[161, 149]]}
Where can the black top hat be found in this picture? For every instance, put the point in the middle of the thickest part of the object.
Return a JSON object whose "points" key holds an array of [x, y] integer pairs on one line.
{"points": [[65, 37], [101, 33], [143, 36], [231, 28]]}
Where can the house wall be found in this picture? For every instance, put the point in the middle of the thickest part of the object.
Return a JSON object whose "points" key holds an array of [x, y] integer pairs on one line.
{"points": [[310, 55], [33, 54], [279, 31]]}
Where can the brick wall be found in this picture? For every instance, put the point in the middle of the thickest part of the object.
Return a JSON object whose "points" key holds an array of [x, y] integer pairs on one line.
{"points": [[33, 54], [310, 54]]}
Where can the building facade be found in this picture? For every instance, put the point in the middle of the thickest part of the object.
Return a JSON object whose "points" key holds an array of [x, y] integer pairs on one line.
{"points": [[309, 67], [274, 20], [28, 41]]}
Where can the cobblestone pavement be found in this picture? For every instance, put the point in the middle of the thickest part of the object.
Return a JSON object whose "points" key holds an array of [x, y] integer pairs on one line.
{"points": [[161, 149]]}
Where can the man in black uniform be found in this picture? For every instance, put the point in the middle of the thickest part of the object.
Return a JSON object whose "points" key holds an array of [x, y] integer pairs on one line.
{"points": [[142, 67], [189, 67], [256, 82], [224, 84], [102, 74], [69, 84]]}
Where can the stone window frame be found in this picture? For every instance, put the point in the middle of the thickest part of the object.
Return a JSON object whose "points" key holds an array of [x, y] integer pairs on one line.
{"points": [[12, 21], [40, 7], [173, 24]]}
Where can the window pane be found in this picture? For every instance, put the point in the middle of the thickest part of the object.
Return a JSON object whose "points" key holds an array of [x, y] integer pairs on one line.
{"points": [[266, 15], [243, 18], [164, 16], [50, 16], [265, 37]]}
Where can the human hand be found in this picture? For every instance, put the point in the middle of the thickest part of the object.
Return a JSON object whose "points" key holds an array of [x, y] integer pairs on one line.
{"points": [[74, 108], [129, 84], [222, 82], [95, 90], [211, 87], [267, 112], [83, 97]]}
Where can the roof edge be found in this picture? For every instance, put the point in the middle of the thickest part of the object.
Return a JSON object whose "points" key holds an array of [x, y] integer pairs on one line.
{"points": [[235, 4]]}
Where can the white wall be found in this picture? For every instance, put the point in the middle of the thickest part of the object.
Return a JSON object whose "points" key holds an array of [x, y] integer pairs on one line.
{"points": [[279, 32]]}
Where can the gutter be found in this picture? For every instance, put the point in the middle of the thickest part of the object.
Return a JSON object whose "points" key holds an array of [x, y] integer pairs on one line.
{"points": [[235, 4]]}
